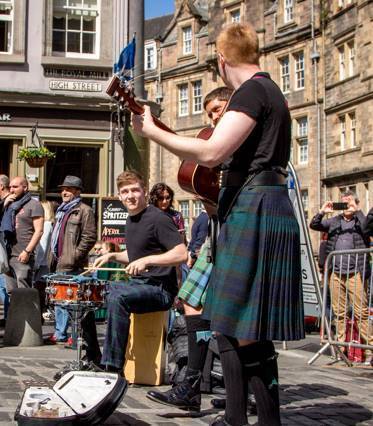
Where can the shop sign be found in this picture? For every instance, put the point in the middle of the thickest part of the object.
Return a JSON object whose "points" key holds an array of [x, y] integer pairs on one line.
{"points": [[113, 221], [75, 86], [5, 116], [76, 74]]}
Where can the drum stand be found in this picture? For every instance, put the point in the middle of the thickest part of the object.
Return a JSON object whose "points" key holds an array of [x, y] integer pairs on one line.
{"points": [[77, 312]]}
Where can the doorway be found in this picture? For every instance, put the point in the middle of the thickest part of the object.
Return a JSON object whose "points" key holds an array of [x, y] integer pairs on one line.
{"points": [[5, 152]]}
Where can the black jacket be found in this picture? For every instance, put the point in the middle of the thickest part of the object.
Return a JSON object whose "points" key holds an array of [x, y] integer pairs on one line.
{"points": [[333, 227]]}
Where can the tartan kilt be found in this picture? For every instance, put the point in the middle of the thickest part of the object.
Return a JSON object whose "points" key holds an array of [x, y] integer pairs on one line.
{"points": [[193, 290], [255, 289]]}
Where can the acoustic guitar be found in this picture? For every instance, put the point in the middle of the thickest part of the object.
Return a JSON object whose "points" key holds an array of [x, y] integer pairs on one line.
{"points": [[193, 178]]}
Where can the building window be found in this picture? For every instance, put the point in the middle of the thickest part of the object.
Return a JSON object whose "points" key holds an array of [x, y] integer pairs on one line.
{"points": [[6, 26], [197, 208], [185, 211], [346, 54], [302, 139], [183, 100], [285, 74], [342, 66], [348, 135], [75, 28], [187, 40], [342, 131], [299, 70], [150, 57], [305, 201], [235, 15], [288, 13], [351, 57], [352, 121], [197, 97]]}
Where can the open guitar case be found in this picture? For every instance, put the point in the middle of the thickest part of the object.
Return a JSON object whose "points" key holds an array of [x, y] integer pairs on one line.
{"points": [[78, 398]]}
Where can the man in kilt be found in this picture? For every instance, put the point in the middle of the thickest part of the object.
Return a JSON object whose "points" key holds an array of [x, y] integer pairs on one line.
{"points": [[187, 395], [254, 295]]}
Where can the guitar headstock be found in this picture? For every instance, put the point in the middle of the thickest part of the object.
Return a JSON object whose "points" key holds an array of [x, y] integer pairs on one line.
{"points": [[122, 92]]}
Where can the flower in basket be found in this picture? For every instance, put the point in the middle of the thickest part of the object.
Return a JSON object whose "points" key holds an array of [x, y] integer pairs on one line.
{"points": [[35, 156], [29, 153]]}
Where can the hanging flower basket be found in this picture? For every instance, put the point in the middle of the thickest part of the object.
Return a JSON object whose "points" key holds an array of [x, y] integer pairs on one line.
{"points": [[36, 162], [35, 156]]}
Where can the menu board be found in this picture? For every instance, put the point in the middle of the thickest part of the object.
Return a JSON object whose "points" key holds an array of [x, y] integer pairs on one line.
{"points": [[113, 221]]}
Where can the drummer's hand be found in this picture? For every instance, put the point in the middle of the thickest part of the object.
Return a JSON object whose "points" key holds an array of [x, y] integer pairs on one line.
{"points": [[143, 124], [137, 266], [101, 260]]}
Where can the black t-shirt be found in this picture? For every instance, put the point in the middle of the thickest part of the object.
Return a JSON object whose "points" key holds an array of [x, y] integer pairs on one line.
{"points": [[153, 232], [268, 145]]}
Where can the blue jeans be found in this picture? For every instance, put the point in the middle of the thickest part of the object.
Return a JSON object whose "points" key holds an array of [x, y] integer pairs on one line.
{"points": [[136, 296], [4, 296], [62, 322]]}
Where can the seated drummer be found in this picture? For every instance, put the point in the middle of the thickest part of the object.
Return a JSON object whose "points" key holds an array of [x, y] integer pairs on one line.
{"points": [[154, 248]]}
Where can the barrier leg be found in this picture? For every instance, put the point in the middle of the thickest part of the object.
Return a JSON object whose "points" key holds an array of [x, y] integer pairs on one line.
{"points": [[320, 352]]}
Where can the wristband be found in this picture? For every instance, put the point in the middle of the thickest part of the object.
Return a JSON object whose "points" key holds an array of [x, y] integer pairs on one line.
{"points": [[28, 252]]}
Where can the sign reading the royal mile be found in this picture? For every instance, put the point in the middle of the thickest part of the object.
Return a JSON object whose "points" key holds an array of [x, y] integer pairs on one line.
{"points": [[113, 221]]}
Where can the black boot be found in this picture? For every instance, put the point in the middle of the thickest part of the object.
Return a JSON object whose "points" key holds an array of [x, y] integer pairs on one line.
{"points": [[186, 395]]}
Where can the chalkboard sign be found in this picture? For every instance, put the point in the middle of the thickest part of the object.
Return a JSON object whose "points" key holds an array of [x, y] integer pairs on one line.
{"points": [[113, 221]]}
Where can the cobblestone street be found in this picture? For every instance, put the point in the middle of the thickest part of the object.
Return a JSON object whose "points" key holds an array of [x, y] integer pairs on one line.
{"points": [[320, 394]]}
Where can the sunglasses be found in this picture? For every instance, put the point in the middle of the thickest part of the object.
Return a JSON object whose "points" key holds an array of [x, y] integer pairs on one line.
{"points": [[164, 198]]}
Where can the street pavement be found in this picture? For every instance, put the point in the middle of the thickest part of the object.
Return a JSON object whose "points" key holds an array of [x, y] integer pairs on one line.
{"points": [[325, 393]]}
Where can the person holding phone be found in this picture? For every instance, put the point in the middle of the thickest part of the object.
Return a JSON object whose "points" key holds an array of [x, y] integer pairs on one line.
{"points": [[345, 233]]}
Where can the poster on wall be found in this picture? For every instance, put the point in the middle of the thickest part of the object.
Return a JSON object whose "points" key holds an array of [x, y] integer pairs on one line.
{"points": [[113, 221]]}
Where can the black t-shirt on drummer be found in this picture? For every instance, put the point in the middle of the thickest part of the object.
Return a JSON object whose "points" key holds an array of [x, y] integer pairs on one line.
{"points": [[153, 232]]}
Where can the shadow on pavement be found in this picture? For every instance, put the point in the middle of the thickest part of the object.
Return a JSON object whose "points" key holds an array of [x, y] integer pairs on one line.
{"points": [[303, 391], [329, 413]]}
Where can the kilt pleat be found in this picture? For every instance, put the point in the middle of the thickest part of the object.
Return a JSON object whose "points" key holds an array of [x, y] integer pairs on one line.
{"points": [[255, 287]]}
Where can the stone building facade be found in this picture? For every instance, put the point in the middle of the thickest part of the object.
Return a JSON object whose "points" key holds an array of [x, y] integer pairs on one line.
{"points": [[301, 44]]}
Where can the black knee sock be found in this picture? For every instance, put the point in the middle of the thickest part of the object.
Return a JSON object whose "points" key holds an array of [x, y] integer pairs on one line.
{"points": [[261, 366], [235, 381], [197, 348]]}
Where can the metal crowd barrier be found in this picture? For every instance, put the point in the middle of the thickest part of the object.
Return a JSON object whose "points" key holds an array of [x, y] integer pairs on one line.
{"points": [[347, 304]]}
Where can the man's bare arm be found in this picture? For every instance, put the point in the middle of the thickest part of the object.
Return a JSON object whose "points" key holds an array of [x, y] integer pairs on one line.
{"points": [[172, 257], [120, 257]]}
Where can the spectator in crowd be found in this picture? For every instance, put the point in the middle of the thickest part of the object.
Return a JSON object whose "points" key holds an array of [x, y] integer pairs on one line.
{"points": [[42, 251], [162, 196], [187, 395], [198, 233], [154, 247], [22, 225], [345, 233], [73, 236], [4, 192]]}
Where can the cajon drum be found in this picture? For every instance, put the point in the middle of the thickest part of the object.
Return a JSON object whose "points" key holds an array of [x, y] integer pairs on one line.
{"points": [[145, 355]]}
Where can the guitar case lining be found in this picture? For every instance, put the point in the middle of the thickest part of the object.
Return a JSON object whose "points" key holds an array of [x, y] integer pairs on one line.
{"points": [[78, 398]]}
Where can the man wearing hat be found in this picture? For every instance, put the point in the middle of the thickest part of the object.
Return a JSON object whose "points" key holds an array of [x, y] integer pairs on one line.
{"points": [[73, 236]]}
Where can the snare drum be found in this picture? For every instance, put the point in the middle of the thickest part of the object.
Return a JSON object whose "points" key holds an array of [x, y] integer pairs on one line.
{"points": [[75, 289]]}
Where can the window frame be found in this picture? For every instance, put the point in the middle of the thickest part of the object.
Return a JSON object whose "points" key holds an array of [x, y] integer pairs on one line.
{"points": [[8, 18], [288, 11], [187, 42], [299, 76], [232, 17], [183, 100], [150, 47], [197, 98], [302, 140], [96, 33], [285, 77]]}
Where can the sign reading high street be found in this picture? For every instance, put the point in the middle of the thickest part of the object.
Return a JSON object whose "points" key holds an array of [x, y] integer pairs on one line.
{"points": [[75, 86]]}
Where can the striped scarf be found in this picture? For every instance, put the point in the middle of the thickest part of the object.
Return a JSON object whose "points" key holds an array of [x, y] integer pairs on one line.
{"points": [[62, 211]]}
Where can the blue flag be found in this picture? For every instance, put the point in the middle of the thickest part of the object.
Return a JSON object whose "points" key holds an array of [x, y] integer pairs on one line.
{"points": [[126, 60]]}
